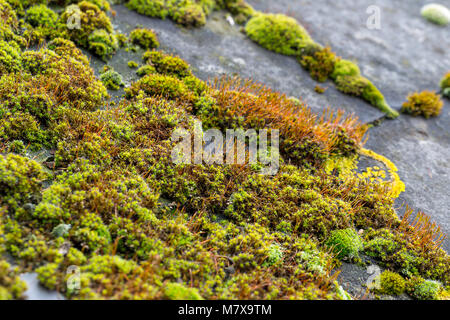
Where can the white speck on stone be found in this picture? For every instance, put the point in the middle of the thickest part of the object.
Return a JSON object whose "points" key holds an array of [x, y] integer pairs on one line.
{"points": [[230, 20], [239, 61]]}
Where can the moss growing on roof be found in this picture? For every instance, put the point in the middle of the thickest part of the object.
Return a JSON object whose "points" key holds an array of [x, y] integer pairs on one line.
{"points": [[277, 32], [426, 104], [144, 227]]}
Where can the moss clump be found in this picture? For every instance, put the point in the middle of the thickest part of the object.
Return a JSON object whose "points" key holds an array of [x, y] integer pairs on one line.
{"points": [[320, 65], [145, 38], [20, 180], [156, 84], [359, 86], [345, 68], [145, 70], [149, 8], [345, 243], [167, 64], [240, 9], [41, 16], [96, 31], [445, 85], [396, 251], [132, 64], [391, 283], [189, 13], [277, 32], [47, 275], [436, 13], [176, 291], [103, 43], [10, 57], [275, 255], [372, 95], [425, 289], [11, 287], [64, 47], [426, 104], [112, 79]]}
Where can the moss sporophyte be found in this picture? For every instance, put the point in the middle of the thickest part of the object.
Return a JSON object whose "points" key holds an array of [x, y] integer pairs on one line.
{"points": [[91, 187]]}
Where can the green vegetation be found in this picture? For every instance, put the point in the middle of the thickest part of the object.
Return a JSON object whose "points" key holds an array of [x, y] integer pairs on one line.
{"points": [[320, 65], [111, 79], [41, 15], [167, 64], [190, 13], [95, 33], [104, 194], [345, 243], [436, 13], [445, 85], [145, 38], [426, 104], [133, 64], [277, 32], [425, 289], [391, 283], [176, 291], [284, 35]]}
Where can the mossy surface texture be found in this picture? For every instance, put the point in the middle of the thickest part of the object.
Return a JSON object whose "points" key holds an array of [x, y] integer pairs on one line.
{"points": [[90, 184]]}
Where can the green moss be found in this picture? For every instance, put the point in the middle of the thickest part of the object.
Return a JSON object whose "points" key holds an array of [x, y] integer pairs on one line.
{"points": [[96, 31], [352, 85], [142, 227], [151, 8], [20, 179], [436, 13], [112, 79], [11, 287], [103, 43], [189, 13], [359, 86], [145, 38], [345, 243], [132, 64], [372, 95], [277, 32], [41, 16], [275, 255], [445, 85], [396, 253], [176, 291], [391, 283], [345, 68], [321, 65], [10, 57], [426, 104], [241, 10], [167, 64], [47, 275], [146, 70], [426, 290], [155, 84]]}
